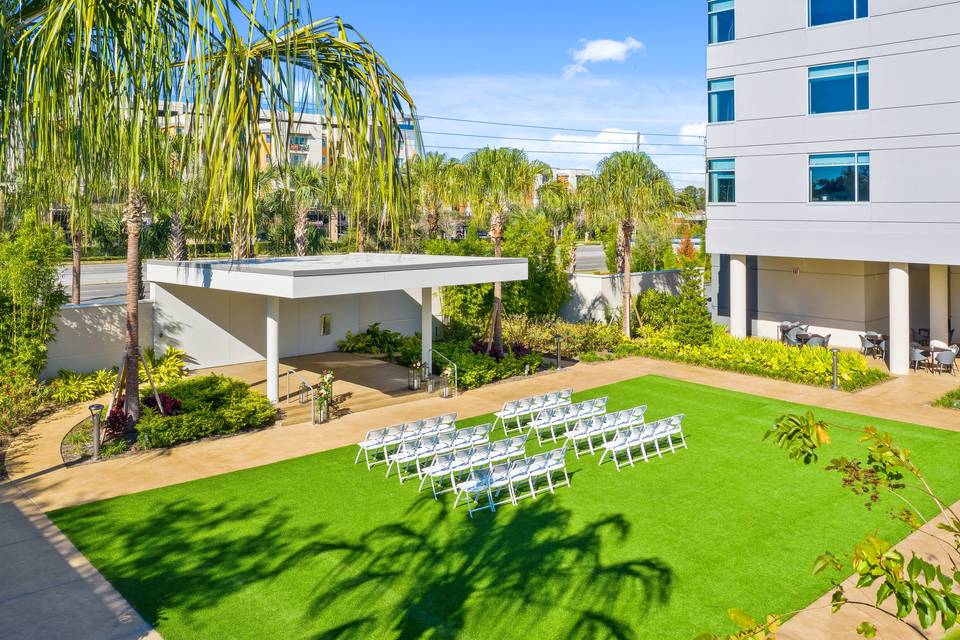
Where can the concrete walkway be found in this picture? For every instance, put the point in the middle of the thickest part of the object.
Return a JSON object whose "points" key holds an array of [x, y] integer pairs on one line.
{"points": [[37, 471], [49, 589]]}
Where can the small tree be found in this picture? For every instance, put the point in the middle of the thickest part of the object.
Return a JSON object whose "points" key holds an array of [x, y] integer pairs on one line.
{"points": [[694, 325]]}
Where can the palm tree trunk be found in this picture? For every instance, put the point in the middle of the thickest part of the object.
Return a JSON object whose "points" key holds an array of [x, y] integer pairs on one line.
{"points": [[496, 326], [76, 241], [178, 243], [626, 235], [361, 233], [334, 225], [133, 214], [433, 223], [300, 232]]}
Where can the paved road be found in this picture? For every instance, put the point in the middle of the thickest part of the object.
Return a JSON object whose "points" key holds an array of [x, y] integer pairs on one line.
{"points": [[104, 283], [590, 257]]}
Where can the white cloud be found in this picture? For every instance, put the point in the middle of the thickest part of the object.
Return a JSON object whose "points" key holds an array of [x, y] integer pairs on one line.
{"points": [[698, 129], [611, 106], [601, 50]]}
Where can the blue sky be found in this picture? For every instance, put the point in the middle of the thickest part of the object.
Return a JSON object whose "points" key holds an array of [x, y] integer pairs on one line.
{"points": [[610, 65]]}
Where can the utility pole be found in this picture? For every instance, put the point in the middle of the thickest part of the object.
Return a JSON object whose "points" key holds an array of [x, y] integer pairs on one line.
{"points": [[638, 142]]}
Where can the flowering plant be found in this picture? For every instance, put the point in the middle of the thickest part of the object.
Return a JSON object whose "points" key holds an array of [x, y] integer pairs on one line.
{"points": [[447, 372], [417, 365], [327, 378]]}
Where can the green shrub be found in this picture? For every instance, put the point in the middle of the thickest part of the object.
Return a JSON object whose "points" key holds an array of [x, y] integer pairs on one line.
{"points": [[70, 386], [20, 398], [657, 309], [758, 357], [477, 369], [575, 337], [374, 340], [210, 405], [693, 324], [950, 400]]}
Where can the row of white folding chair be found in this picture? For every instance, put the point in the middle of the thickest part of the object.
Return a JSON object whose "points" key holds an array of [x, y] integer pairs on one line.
{"points": [[456, 463], [517, 410], [382, 440], [589, 429], [520, 478], [551, 419], [652, 433], [415, 452]]}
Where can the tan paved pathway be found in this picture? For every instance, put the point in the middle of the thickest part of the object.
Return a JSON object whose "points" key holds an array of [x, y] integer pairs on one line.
{"points": [[35, 465]]}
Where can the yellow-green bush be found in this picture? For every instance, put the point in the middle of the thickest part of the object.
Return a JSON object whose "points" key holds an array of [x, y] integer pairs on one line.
{"points": [[758, 357]]}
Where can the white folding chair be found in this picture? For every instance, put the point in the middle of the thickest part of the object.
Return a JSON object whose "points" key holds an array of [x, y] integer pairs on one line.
{"points": [[372, 441]]}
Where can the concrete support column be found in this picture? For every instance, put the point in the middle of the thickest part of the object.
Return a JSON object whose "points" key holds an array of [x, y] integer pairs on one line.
{"points": [[939, 303], [738, 296], [273, 348], [426, 327], [899, 343]]}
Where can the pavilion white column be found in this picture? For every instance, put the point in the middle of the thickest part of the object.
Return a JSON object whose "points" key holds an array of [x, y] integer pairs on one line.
{"points": [[738, 296], [426, 327], [899, 343], [273, 348], [939, 302]]}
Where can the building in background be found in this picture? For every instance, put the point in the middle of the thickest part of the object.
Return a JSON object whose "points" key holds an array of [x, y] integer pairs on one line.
{"points": [[833, 157]]}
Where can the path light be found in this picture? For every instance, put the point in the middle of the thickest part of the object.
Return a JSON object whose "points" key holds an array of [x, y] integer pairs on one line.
{"points": [[95, 412], [836, 377], [557, 337]]}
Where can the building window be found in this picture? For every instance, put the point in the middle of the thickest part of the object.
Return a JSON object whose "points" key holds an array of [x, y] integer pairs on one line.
{"points": [[840, 177], [299, 139], [723, 181], [829, 11], [720, 98], [298, 158], [840, 87], [720, 21], [325, 324]]}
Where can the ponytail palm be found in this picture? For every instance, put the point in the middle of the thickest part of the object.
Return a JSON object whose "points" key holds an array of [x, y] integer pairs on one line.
{"points": [[433, 179], [94, 84], [496, 182], [629, 189]]}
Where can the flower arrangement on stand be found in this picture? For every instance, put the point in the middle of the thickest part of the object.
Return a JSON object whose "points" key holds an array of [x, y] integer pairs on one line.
{"points": [[324, 394], [446, 382], [415, 375]]}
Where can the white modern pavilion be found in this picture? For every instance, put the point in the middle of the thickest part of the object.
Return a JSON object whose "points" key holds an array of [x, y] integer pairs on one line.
{"points": [[225, 312]]}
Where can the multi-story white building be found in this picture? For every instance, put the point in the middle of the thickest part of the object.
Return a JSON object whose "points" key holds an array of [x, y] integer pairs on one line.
{"points": [[833, 158]]}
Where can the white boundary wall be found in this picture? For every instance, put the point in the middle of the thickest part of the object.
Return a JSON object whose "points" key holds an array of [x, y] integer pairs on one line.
{"points": [[91, 336], [595, 297]]}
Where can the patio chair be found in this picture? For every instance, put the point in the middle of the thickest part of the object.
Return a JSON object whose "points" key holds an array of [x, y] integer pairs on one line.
{"points": [[816, 341], [946, 360], [791, 337], [955, 348], [918, 358], [867, 347], [939, 344]]}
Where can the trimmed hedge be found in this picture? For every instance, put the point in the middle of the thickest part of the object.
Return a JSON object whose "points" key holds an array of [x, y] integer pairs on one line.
{"points": [[209, 405], [765, 358]]}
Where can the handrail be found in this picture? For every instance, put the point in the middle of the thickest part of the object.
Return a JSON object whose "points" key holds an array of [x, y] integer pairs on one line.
{"points": [[313, 393], [456, 387]]}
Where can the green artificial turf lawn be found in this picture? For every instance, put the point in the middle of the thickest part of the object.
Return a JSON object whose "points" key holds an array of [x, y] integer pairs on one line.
{"points": [[319, 548]]}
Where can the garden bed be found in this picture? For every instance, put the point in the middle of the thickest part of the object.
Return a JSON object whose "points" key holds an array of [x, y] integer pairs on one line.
{"points": [[197, 408]]}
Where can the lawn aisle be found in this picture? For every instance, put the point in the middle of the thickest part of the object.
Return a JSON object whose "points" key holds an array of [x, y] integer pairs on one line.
{"points": [[318, 547]]}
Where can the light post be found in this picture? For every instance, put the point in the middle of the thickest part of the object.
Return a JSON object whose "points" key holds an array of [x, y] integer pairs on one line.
{"points": [[95, 412], [557, 338], [836, 377]]}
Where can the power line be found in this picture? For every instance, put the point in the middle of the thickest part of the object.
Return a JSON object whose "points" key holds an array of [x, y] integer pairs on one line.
{"points": [[642, 144], [537, 126], [575, 153]]}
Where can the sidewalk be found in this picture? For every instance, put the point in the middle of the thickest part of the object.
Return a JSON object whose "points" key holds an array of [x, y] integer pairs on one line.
{"points": [[49, 589]]}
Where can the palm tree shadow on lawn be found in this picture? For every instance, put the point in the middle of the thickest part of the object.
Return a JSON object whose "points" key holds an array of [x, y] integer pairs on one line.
{"points": [[511, 568], [425, 575]]}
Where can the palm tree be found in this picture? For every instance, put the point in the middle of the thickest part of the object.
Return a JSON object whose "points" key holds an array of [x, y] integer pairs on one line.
{"points": [[629, 188], [85, 82], [495, 182], [306, 190], [559, 204], [432, 178]]}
